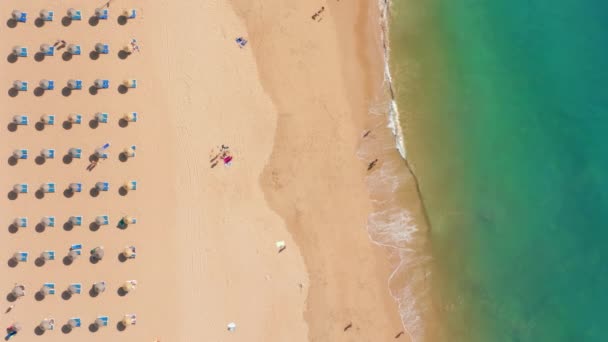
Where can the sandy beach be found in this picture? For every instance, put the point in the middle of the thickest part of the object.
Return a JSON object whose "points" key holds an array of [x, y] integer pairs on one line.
{"points": [[291, 106]]}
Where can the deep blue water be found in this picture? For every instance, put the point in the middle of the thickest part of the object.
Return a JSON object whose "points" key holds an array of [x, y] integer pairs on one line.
{"points": [[507, 128]]}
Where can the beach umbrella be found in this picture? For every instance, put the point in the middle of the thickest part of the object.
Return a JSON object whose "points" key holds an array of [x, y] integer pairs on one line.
{"points": [[97, 253], [126, 220], [128, 49], [72, 323], [45, 118], [18, 291], [98, 83], [99, 322], [45, 187], [72, 84], [72, 12], [75, 187], [100, 286], [129, 285], [129, 152], [18, 84], [45, 256], [47, 324], [17, 50], [74, 118], [129, 252], [99, 47], [17, 188], [72, 289], [17, 153], [44, 13], [16, 14], [73, 255], [128, 186], [45, 84], [100, 186], [45, 290], [72, 48], [129, 319], [45, 48], [130, 117], [47, 153]]}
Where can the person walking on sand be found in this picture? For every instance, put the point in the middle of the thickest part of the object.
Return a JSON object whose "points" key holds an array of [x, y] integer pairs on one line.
{"points": [[372, 164], [10, 308]]}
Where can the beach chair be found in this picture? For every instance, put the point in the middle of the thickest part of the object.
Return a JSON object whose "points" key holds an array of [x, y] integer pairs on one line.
{"points": [[130, 83], [101, 84], [20, 188], [102, 48], [75, 288], [75, 152], [130, 117], [74, 49], [130, 13], [47, 84], [48, 221], [19, 16], [130, 185], [20, 51], [21, 222], [102, 13], [74, 14], [48, 119], [102, 220], [75, 119], [75, 84], [241, 42], [47, 50], [48, 153], [102, 186], [47, 15], [21, 120], [75, 187], [76, 221], [48, 188], [20, 153], [21, 256], [48, 255], [74, 322], [48, 288], [102, 321], [102, 117], [20, 85]]}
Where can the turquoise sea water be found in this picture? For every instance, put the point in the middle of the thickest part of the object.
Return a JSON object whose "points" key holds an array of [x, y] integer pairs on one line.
{"points": [[504, 105]]}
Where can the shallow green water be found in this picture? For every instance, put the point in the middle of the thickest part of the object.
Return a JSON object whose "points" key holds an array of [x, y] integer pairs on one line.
{"points": [[505, 110]]}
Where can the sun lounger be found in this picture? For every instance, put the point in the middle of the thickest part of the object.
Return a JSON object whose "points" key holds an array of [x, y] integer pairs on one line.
{"points": [[20, 153], [75, 288], [47, 50], [47, 15], [50, 288], [48, 153], [75, 152], [48, 188], [21, 256], [20, 188], [49, 255], [102, 186], [102, 321], [20, 85], [75, 84], [76, 187], [19, 16], [49, 221], [75, 118], [74, 14], [48, 119], [76, 221], [102, 84], [129, 13], [21, 222], [20, 51], [103, 49], [130, 83], [21, 120], [102, 220], [102, 117], [130, 117], [47, 84], [74, 49], [102, 13]]}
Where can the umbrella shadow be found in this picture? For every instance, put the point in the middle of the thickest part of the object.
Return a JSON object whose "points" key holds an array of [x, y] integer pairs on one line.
{"points": [[11, 58], [12, 161], [11, 23], [93, 327], [13, 229], [66, 329], [66, 295]]}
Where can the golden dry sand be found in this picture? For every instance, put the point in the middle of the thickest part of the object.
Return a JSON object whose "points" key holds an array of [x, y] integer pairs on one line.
{"points": [[291, 105]]}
